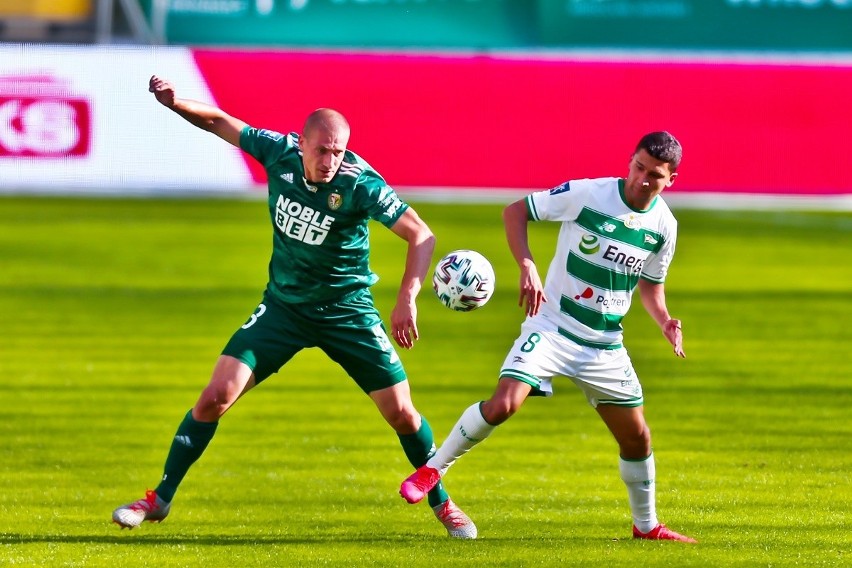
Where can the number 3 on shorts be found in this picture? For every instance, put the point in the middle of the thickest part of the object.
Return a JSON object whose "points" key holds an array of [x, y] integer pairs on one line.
{"points": [[531, 342], [261, 309]]}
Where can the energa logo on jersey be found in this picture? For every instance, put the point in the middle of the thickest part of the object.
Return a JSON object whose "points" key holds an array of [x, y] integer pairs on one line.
{"points": [[591, 245], [301, 222]]}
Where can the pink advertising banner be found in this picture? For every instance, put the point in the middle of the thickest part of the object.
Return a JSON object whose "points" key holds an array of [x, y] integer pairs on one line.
{"points": [[513, 121]]}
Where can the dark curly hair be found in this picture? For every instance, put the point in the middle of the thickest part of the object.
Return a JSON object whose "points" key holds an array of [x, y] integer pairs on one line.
{"points": [[662, 146]]}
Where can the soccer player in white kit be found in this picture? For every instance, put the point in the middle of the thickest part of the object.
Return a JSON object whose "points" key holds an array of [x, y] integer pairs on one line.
{"points": [[616, 235]]}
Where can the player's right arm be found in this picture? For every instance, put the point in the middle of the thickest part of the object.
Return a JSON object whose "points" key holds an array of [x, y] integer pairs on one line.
{"points": [[532, 291], [204, 116]]}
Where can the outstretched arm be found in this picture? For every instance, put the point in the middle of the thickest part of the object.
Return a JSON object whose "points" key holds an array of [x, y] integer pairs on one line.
{"points": [[421, 245], [532, 290], [653, 297], [204, 116]]}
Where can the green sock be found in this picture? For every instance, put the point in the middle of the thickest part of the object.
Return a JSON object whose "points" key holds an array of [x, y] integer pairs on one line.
{"points": [[418, 448], [189, 443]]}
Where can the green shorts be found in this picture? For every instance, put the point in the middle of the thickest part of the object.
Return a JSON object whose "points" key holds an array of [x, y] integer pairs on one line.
{"points": [[349, 330]]}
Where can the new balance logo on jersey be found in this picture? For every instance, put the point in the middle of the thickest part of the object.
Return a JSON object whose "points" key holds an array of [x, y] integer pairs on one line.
{"points": [[301, 222], [288, 177], [184, 440]]}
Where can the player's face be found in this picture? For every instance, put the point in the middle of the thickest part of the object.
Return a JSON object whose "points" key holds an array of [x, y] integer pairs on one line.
{"points": [[646, 178], [322, 153]]}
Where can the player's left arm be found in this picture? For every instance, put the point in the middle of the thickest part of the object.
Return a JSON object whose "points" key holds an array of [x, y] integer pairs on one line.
{"points": [[421, 244], [653, 296]]}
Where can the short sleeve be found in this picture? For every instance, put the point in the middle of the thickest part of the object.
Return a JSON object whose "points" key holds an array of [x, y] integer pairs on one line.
{"points": [[264, 145], [380, 200], [657, 265], [561, 203]]}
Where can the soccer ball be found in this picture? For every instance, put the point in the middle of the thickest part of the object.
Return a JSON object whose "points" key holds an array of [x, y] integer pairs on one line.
{"points": [[463, 280]]}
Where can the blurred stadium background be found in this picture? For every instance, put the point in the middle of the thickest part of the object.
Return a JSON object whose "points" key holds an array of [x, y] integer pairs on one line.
{"points": [[466, 99]]}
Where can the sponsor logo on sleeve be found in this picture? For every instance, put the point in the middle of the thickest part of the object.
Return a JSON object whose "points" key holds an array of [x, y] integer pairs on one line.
{"points": [[389, 201], [561, 188]]}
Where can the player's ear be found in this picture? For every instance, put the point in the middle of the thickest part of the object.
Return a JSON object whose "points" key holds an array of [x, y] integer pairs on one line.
{"points": [[671, 179]]}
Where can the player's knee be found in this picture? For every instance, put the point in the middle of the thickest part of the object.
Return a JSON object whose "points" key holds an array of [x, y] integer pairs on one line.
{"points": [[497, 410], [403, 420], [636, 444], [643, 442], [212, 404], [644, 436]]}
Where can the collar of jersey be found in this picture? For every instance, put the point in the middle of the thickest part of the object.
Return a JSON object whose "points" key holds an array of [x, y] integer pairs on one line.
{"points": [[624, 199]]}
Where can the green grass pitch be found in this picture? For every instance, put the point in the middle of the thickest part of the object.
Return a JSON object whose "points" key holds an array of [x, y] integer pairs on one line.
{"points": [[112, 312]]}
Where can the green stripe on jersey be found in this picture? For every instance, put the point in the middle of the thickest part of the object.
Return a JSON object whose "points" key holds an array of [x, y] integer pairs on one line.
{"points": [[615, 229], [589, 317], [598, 276], [531, 212]]}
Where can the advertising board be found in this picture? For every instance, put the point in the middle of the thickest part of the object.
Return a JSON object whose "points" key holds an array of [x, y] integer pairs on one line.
{"points": [[75, 119]]}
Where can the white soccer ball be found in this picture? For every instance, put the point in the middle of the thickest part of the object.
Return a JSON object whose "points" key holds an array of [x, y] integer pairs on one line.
{"points": [[463, 280]]}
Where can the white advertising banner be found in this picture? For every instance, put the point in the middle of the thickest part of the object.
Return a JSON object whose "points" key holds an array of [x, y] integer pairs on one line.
{"points": [[81, 119]]}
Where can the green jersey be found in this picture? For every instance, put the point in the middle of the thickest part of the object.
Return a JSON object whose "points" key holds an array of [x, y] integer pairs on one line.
{"points": [[320, 241]]}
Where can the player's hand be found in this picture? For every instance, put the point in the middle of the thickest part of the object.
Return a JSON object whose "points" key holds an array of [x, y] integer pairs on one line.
{"points": [[404, 324], [163, 91], [673, 330], [532, 291]]}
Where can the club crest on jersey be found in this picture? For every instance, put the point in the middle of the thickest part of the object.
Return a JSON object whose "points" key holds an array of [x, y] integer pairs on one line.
{"points": [[335, 200], [632, 222]]}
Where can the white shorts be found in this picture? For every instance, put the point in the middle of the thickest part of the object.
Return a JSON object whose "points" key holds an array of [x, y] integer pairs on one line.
{"points": [[540, 353]]}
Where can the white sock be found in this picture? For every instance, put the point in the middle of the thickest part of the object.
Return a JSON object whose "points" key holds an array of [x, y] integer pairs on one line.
{"points": [[468, 431], [639, 477]]}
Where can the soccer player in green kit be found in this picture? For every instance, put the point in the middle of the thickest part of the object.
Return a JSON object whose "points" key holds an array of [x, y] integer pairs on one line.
{"points": [[321, 197]]}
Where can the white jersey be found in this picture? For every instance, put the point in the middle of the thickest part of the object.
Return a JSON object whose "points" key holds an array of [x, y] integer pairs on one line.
{"points": [[604, 247]]}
